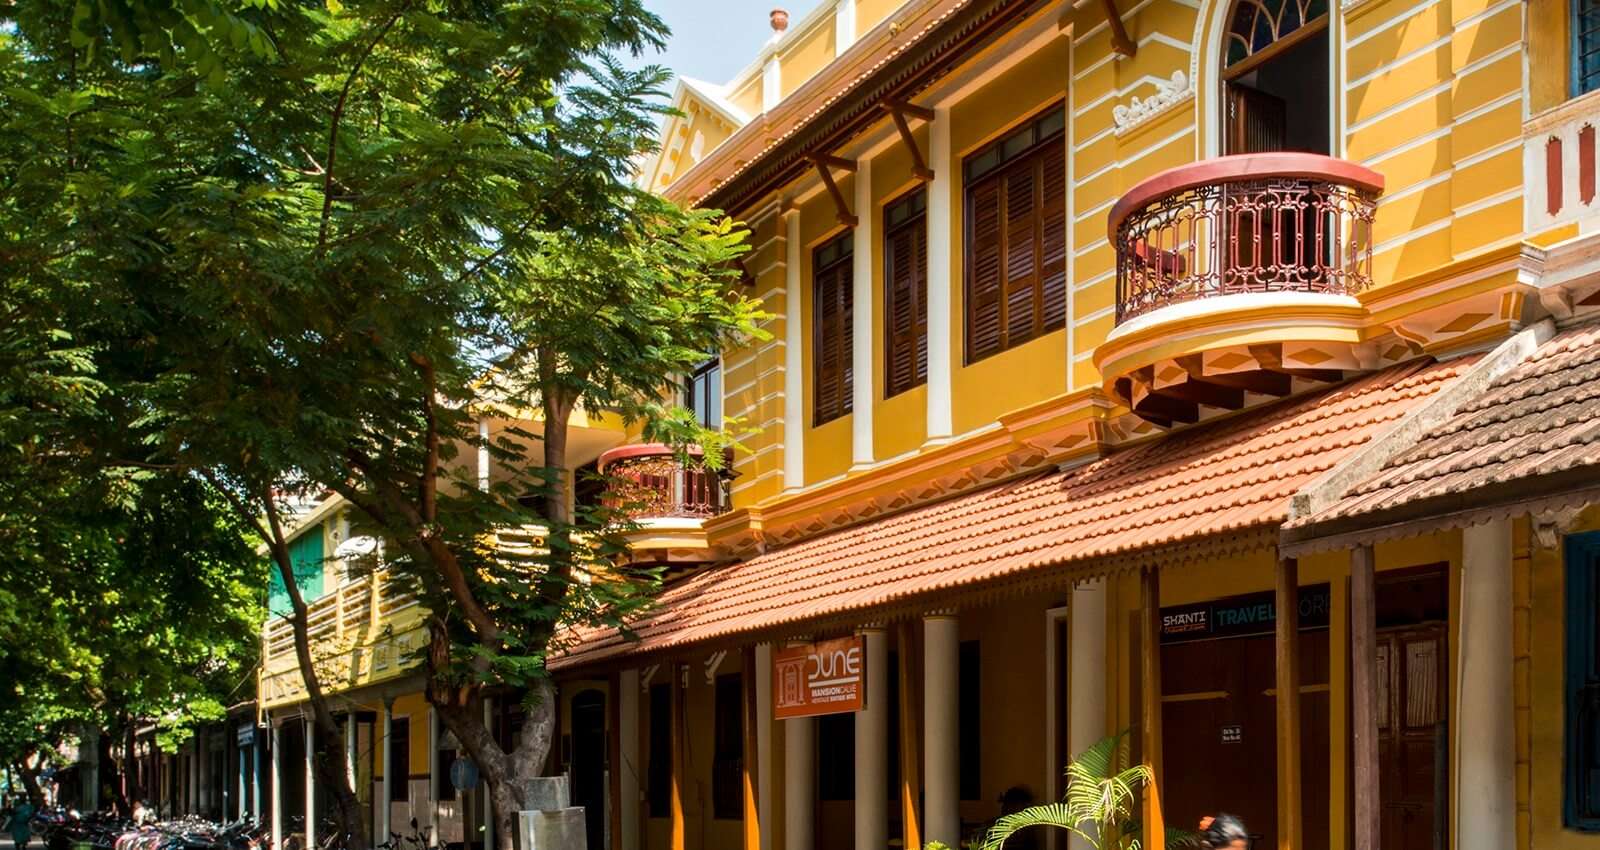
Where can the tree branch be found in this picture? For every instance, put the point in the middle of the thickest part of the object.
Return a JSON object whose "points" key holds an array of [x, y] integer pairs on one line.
{"points": [[338, 118]]}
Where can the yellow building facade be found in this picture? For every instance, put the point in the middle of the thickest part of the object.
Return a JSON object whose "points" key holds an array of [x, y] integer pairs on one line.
{"points": [[1092, 326]]}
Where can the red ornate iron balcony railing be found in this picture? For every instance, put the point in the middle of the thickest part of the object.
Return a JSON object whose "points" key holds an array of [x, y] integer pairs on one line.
{"points": [[649, 482], [1267, 222]]}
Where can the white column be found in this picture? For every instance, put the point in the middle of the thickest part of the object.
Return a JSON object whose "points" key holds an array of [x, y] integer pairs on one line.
{"points": [[255, 777], [872, 748], [311, 780], [277, 787], [794, 394], [244, 777], [483, 455], [1485, 742], [862, 379], [488, 801], [385, 727], [1086, 674], [350, 749], [941, 354], [844, 26], [764, 765], [941, 671], [799, 783], [628, 709], [433, 775]]}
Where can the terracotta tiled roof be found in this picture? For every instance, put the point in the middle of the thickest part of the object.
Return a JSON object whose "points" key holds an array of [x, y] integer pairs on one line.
{"points": [[1540, 418], [1223, 478]]}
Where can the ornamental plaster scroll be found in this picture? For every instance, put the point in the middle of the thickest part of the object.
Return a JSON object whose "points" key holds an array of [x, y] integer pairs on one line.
{"points": [[1169, 93]]}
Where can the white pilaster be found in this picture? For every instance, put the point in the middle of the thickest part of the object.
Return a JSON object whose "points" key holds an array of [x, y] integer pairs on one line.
{"points": [[277, 787], [862, 379], [941, 354], [872, 748], [844, 26], [385, 729], [350, 748], [941, 672], [794, 394], [1486, 759], [311, 780], [628, 728], [771, 83], [242, 811], [1086, 674]]}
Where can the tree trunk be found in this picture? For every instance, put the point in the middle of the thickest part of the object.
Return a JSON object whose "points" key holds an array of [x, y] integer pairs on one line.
{"points": [[30, 781], [507, 775], [328, 743]]}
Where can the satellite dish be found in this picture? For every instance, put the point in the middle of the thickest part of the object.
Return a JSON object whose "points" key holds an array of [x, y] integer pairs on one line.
{"points": [[356, 547]]}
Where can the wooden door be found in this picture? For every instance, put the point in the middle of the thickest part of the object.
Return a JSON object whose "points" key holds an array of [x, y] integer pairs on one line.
{"points": [[1257, 121], [1412, 741]]}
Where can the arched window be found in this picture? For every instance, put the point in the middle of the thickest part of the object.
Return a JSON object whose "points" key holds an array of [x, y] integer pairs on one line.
{"points": [[1276, 71]]}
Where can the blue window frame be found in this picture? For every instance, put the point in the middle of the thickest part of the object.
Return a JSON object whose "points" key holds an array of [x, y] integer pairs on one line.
{"points": [[1585, 46], [1582, 780]]}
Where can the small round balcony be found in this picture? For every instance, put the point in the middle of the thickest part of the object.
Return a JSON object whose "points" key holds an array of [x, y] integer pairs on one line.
{"points": [[665, 498], [1236, 280]]}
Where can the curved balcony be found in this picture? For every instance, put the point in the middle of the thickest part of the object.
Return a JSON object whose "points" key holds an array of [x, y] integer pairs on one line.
{"points": [[666, 499], [1236, 276]]}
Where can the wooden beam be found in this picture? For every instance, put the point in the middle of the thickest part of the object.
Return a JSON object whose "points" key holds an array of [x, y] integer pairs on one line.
{"points": [[1155, 828], [675, 810], [1204, 392], [921, 113], [1287, 638], [823, 165], [1168, 408], [1257, 381], [910, 740], [831, 161], [1364, 695], [1120, 42], [613, 750], [752, 752], [919, 165]]}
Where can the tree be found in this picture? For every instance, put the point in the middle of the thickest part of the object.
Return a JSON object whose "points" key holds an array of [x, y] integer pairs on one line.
{"points": [[335, 234]]}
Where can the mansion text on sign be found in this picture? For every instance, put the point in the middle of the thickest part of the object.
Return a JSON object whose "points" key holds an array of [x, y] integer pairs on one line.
{"points": [[827, 677]]}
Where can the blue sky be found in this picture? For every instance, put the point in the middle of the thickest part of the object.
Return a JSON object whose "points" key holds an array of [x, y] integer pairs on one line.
{"points": [[713, 39]]}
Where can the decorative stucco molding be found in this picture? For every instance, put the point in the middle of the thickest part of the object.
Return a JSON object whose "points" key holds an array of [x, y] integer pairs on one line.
{"points": [[1169, 93]]}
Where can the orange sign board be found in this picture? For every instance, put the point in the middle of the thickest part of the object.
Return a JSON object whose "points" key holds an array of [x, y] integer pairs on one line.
{"points": [[827, 677]]}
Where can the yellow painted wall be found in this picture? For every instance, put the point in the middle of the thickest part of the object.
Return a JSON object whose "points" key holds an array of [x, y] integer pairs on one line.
{"points": [[753, 373], [802, 54], [1035, 370]]}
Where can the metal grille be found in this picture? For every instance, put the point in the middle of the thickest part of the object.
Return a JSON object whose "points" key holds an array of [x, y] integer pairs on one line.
{"points": [[1265, 233]]}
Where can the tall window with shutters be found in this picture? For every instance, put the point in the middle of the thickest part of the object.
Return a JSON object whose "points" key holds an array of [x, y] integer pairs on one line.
{"points": [[1016, 237], [905, 276], [1582, 803], [832, 313]]}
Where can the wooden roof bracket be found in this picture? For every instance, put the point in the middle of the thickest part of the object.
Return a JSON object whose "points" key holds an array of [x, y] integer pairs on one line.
{"points": [[825, 163], [898, 111], [1120, 42]]}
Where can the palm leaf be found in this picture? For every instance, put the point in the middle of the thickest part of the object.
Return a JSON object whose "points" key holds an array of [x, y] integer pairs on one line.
{"points": [[1057, 815]]}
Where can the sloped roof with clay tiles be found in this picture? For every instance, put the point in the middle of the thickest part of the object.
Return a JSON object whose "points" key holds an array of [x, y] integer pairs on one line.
{"points": [[1227, 483], [1533, 433]]}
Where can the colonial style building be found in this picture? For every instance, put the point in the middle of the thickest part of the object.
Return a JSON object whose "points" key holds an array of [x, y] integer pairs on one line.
{"points": [[1223, 371]]}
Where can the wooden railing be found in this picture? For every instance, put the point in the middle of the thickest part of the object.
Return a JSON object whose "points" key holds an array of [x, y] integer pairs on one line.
{"points": [[1271, 222], [650, 482], [358, 634]]}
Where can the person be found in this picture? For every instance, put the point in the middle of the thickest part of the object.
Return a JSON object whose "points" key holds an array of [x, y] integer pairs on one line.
{"points": [[1224, 832], [22, 824]]}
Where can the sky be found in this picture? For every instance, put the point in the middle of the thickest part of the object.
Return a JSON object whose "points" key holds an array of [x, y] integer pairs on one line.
{"points": [[713, 39]]}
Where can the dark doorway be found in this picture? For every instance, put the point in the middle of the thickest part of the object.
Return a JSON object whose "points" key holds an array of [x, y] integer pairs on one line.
{"points": [[589, 762], [1275, 77], [1413, 707]]}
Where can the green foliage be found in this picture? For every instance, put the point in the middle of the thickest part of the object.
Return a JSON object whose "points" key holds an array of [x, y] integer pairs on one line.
{"points": [[1100, 804]]}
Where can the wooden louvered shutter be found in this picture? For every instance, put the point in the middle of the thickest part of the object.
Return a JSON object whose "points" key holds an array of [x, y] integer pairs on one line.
{"points": [[984, 272], [1053, 238], [833, 367], [1020, 238], [906, 308]]}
